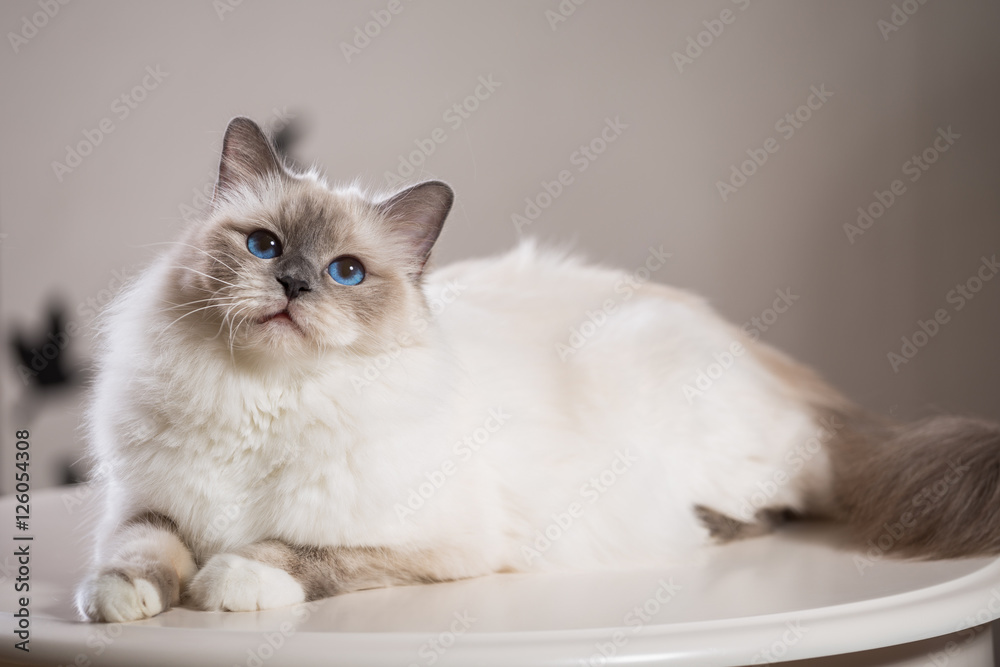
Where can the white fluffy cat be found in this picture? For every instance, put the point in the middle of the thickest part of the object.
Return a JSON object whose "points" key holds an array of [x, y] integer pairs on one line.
{"points": [[289, 407]]}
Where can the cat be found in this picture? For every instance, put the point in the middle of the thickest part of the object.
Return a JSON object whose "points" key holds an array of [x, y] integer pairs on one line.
{"points": [[290, 405]]}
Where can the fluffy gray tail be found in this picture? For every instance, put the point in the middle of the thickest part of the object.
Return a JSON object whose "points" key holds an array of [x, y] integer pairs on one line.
{"points": [[930, 489]]}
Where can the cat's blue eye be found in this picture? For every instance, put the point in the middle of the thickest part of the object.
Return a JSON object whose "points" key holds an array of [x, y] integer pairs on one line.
{"points": [[347, 270], [264, 244]]}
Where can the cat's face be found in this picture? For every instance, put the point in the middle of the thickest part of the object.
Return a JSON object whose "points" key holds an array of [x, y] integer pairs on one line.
{"points": [[285, 267]]}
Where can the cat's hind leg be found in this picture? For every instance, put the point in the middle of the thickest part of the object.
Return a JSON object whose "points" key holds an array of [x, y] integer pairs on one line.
{"points": [[147, 567]]}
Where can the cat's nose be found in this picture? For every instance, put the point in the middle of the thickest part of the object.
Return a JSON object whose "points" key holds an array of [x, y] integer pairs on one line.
{"points": [[293, 286]]}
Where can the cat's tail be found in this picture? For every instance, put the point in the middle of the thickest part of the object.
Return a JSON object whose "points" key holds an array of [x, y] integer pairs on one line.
{"points": [[930, 489]]}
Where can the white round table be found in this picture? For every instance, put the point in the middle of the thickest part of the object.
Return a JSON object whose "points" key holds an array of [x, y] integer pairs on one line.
{"points": [[794, 595]]}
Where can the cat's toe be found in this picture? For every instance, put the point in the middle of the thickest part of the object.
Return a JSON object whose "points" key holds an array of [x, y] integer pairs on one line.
{"points": [[119, 596], [233, 583]]}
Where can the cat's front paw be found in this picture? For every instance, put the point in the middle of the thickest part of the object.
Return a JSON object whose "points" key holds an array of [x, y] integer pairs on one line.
{"points": [[233, 583], [125, 594]]}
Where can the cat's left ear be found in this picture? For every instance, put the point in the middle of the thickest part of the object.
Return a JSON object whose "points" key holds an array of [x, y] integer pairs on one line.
{"points": [[415, 217], [247, 158]]}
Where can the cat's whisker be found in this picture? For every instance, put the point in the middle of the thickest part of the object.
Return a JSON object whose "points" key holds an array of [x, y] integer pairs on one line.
{"points": [[234, 329], [188, 268], [203, 251], [217, 300], [196, 310], [225, 319]]}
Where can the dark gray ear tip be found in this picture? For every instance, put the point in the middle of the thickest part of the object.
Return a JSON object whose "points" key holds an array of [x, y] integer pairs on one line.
{"points": [[243, 127], [444, 190]]}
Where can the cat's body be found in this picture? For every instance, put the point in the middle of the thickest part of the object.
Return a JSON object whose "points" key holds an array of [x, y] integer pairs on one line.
{"points": [[438, 425]]}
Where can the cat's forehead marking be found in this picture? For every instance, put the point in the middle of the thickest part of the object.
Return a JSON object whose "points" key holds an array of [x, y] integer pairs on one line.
{"points": [[316, 218]]}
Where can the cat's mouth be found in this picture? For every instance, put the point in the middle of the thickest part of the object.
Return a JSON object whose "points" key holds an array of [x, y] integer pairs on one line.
{"points": [[280, 317]]}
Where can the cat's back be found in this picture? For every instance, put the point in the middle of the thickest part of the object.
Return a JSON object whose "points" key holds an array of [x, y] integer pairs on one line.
{"points": [[555, 305]]}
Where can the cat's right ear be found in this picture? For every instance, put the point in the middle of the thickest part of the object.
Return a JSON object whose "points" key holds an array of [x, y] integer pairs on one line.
{"points": [[247, 158], [415, 217]]}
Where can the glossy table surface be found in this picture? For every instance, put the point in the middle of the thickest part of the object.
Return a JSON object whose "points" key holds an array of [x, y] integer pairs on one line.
{"points": [[795, 594]]}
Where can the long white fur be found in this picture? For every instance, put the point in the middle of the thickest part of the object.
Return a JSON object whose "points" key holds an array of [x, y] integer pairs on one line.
{"points": [[310, 455]]}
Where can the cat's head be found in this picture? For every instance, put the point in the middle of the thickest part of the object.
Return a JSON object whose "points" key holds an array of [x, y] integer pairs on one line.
{"points": [[286, 267]]}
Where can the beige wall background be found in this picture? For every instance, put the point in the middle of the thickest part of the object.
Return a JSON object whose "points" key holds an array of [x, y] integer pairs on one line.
{"points": [[899, 72]]}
